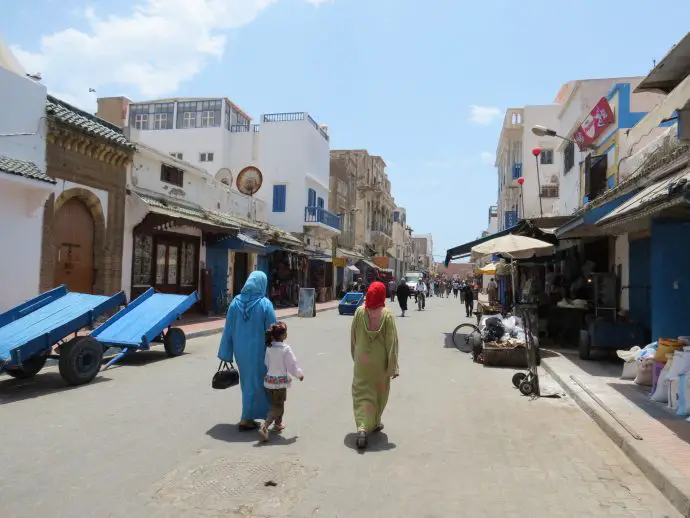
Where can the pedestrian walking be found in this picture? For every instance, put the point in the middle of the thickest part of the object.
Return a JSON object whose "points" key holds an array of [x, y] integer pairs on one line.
{"points": [[492, 289], [391, 289], [456, 288], [403, 293], [463, 286], [469, 300], [374, 349], [249, 315], [280, 364]]}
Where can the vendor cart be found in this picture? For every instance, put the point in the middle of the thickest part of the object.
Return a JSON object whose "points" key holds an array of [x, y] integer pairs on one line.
{"points": [[350, 302], [29, 331], [147, 320]]}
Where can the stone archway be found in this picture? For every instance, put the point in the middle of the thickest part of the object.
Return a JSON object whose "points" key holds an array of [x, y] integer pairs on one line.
{"points": [[80, 207]]}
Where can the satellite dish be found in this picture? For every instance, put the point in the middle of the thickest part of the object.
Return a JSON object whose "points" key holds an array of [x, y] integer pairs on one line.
{"points": [[224, 176], [249, 181]]}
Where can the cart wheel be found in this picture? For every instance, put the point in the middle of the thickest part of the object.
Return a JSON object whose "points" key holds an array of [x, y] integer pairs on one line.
{"points": [[174, 341], [80, 360], [466, 336], [518, 378], [29, 368], [526, 388]]}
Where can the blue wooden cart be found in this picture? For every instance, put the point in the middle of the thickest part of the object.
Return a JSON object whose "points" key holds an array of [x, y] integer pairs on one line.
{"points": [[350, 302], [29, 331], [147, 320]]}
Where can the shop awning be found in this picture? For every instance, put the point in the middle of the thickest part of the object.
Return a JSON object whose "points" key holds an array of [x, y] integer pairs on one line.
{"points": [[584, 225], [539, 228], [661, 195], [349, 254], [368, 264], [240, 243], [164, 211], [352, 268]]}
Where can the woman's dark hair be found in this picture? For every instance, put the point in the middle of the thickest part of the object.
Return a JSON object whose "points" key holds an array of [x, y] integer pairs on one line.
{"points": [[276, 333]]}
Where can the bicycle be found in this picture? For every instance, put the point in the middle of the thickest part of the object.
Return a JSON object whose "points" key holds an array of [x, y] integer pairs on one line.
{"points": [[468, 338], [223, 302]]}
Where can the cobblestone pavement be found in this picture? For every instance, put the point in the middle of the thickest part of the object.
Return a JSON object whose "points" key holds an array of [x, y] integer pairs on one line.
{"points": [[151, 439]]}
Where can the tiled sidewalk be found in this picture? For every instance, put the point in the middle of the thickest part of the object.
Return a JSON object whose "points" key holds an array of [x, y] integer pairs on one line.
{"points": [[195, 328], [663, 454]]}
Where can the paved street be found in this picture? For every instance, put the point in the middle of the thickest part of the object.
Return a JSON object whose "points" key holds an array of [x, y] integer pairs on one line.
{"points": [[152, 439]]}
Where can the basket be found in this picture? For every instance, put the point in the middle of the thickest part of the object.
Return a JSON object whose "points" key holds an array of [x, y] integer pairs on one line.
{"points": [[513, 356]]}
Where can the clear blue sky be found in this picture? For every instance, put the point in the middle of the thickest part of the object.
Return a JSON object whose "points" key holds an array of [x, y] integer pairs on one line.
{"points": [[397, 77]]}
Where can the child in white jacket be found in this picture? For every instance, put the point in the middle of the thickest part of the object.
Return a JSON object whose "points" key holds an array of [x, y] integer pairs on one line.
{"points": [[281, 364]]}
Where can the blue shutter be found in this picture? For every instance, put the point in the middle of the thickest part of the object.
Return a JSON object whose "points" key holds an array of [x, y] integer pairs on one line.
{"points": [[279, 193], [311, 198], [320, 204]]}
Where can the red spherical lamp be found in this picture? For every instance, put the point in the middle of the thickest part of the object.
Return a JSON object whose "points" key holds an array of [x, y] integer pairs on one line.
{"points": [[520, 181], [536, 151]]}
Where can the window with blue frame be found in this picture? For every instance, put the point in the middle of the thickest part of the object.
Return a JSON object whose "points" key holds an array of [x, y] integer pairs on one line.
{"points": [[279, 198], [517, 171], [320, 203], [311, 198]]}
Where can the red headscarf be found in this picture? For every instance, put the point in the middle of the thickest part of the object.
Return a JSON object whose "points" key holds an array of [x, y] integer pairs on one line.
{"points": [[376, 296]]}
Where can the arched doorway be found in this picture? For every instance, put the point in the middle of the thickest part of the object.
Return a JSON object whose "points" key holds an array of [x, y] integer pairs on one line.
{"points": [[74, 244]]}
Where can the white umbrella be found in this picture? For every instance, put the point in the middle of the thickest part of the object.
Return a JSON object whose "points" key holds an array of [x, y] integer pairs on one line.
{"points": [[519, 247]]}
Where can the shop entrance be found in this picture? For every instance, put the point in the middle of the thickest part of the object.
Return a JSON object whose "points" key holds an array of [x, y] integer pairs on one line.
{"points": [[74, 237], [240, 272]]}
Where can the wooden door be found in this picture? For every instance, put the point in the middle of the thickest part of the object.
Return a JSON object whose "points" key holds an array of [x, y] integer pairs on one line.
{"points": [[74, 236], [166, 266]]}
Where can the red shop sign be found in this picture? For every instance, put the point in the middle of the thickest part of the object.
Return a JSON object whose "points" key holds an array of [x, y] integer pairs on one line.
{"points": [[600, 118]]}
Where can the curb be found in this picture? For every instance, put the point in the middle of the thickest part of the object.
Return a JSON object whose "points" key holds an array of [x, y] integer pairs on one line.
{"points": [[666, 478], [218, 330]]}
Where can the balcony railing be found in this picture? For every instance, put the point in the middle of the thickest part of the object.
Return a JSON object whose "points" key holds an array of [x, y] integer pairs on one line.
{"points": [[239, 128], [381, 227], [295, 116], [320, 215]]}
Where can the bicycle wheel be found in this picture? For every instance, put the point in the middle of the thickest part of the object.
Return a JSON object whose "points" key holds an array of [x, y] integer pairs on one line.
{"points": [[466, 337]]}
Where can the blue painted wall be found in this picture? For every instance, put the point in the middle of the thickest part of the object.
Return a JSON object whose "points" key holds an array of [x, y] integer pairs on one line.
{"points": [[639, 290], [670, 249], [217, 263]]}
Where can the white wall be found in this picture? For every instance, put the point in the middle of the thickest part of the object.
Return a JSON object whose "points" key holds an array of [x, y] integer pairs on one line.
{"points": [[189, 142], [198, 187], [546, 115], [293, 153], [22, 118], [575, 108], [21, 222]]}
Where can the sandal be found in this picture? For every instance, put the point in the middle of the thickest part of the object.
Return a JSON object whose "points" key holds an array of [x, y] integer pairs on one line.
{"points": [[278, 427], [378, 428], [246, 427], [362, 440], [263, 432]]}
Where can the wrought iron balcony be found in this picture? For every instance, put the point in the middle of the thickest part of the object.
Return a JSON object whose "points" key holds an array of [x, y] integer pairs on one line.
{"points": [[383, 228], [316, 215]]}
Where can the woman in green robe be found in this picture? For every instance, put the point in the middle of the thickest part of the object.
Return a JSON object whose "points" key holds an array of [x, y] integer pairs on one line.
{"points": [[374, 347]]}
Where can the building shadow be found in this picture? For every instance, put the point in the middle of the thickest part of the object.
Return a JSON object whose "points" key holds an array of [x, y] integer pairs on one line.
{"points": [[14, 390], [638, 396], [378, 442], [227, 432], [601, 364]]}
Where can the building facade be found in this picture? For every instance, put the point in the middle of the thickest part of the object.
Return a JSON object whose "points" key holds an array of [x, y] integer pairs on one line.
{"points": [[24, 184], [422, 252]]}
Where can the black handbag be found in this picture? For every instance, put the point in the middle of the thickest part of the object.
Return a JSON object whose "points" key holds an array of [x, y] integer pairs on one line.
{"points": [[225, 377]]}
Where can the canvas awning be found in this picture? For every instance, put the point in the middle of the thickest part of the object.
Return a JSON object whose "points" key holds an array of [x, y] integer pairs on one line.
{"points": [[663, 194], [352, 268], [240, 243], [519, 247], [585, 225], [368, 264]]}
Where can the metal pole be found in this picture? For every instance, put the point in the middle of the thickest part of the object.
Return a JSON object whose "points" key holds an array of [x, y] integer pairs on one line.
{"points": [[522, 200], [541, 212]]}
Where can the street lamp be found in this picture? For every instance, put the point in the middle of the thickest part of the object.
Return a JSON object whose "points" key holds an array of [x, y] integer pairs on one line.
{"points": [[543, 131], [536, 152]]}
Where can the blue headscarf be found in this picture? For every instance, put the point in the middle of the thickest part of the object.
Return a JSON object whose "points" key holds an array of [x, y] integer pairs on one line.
{"points": [[253, 291]]}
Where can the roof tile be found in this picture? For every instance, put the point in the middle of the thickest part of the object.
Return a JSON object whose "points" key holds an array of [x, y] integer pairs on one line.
{"points": [[85, 122], [23, 168]]}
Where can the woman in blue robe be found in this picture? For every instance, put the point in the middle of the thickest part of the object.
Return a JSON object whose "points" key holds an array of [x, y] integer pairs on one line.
{"points": [[249, 316]]}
